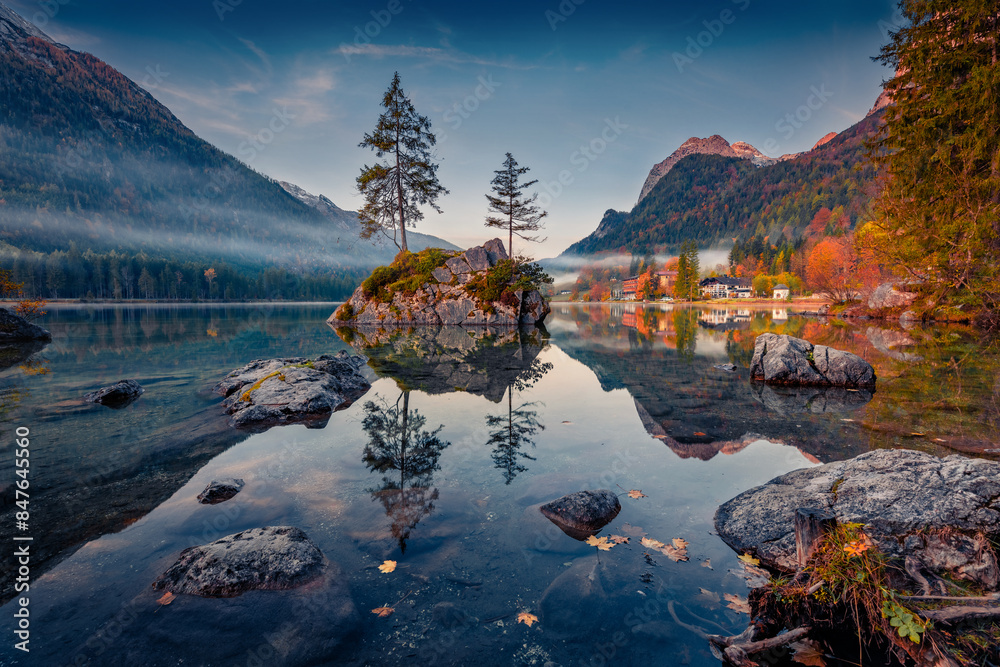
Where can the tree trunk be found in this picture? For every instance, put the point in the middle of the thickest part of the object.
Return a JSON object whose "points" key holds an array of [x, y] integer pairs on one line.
{"points": [[811, 525], [399, 192]]}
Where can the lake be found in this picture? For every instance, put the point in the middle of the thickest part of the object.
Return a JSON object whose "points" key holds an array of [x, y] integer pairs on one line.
{"points": [[617, 396]]}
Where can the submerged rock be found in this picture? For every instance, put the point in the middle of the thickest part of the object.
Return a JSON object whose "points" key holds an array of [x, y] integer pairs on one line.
{"points": [[220, 490], [118, 395], [944, 512], [292, 390], [13, 327], [583, 513], [273, 558], [780, 359], [447, 299]]}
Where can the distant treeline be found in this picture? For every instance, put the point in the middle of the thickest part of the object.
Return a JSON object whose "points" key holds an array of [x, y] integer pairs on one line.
{"points": [[122, 275]]}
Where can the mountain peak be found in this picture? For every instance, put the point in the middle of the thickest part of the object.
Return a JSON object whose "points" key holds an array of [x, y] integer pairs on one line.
{"points": [[11, 23], [713, 145]]}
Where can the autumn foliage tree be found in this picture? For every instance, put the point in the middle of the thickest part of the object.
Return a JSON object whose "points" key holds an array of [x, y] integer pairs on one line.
{"points": [[830, 268], [26, 307]]}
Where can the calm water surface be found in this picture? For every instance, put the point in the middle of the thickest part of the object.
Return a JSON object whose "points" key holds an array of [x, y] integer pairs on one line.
{"points": [[620, 397]]}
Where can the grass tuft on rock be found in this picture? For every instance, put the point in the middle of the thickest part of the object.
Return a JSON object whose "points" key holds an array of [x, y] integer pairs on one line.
{"points": [[408, 272]]}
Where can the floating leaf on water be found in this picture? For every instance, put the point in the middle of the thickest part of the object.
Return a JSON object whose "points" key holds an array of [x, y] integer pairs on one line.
{"points": [[736, 603], [650, 543], [383, 612], [807, 652], [698, 433], [619, 539], [387, 567], [601, 543], [707, 563], [167, 598], [526, 618], [632, 531], [636, 493], [749, 560]]}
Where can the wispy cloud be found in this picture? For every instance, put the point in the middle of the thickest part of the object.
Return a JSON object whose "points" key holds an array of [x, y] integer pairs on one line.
{"points": [[428, 53]]}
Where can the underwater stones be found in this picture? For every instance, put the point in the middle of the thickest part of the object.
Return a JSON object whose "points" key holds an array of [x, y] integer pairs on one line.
{"points": [[272, 558], [583, 513], [118, 395], [220, 490]]}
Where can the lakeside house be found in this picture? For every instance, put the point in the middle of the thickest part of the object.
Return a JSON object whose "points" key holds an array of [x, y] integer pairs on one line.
{"points": [[726, 287], [629, 288], [781, 291]]}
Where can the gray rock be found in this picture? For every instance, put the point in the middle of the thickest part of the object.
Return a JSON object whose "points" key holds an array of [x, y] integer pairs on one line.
{"points": [[220, 490], [583, 513], [442, 274], [495, 250], [729, 368], [117, 396], [581, 587], [458, 266], [887, 296], [534, 308], [477, 258], [13, 327], [269, 392], [14, 353], [911, 503], [272, 558], [780, 359]]}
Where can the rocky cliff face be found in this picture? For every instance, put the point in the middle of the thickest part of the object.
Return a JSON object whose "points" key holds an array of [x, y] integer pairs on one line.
{"points": [[453, 294], [713, 145]]}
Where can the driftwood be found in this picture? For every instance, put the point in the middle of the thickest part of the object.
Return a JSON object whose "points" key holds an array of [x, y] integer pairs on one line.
{"points": [[958, 614], [739, 653]]}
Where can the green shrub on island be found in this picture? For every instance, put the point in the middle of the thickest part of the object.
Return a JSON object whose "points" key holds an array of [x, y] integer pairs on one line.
{"points": [[407, 273]]}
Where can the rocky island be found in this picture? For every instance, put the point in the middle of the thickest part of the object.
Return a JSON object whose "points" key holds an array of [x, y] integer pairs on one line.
{"points": [[482, 286]]}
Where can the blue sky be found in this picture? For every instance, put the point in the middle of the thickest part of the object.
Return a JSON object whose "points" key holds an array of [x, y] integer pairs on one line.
{"points": [[589, 91]]}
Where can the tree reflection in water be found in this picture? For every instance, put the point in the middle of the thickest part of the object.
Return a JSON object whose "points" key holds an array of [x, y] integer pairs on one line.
{"points": [[513, 432], [407, 457]]}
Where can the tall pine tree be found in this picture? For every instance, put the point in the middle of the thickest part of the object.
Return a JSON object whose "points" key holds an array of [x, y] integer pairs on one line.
{"points": [[407, 178], [518, 213]]}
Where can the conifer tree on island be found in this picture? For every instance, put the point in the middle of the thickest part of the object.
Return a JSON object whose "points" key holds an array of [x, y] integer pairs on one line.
{"points": [[406, 179], [519, 213], [938, 216]]}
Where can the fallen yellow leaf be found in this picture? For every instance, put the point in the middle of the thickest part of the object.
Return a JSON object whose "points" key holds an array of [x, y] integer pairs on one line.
{"points": [[650, 543], [736, 603], [636, 493], [383, 612], [167, 598], [619, 539], [388, 566], [749, 560], [807, 652], [601, 543], [526, 618]]}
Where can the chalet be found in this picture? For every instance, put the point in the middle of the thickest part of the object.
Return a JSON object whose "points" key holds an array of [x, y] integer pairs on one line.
{"points": [[781, 291], [723, 287]]}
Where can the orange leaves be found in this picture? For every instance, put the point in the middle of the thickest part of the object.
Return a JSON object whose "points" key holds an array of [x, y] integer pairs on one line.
{"points": [[636, 493], [619, 539], [166, 598], [383, 612], [601, 543], [736, 603], [526, 618], [699, 433], [858, 547], [387, 567], [676, 551]]}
